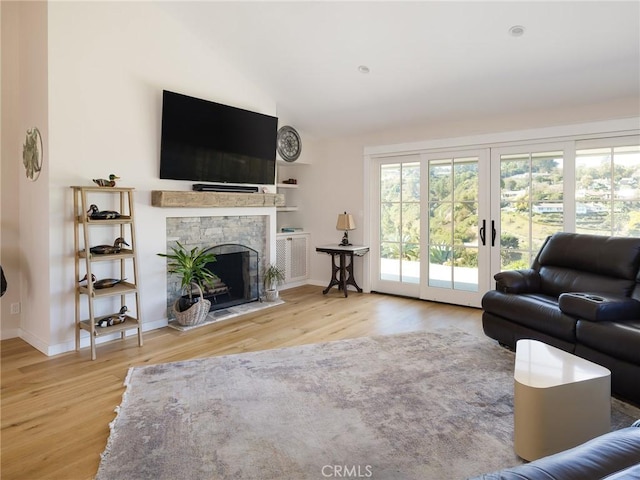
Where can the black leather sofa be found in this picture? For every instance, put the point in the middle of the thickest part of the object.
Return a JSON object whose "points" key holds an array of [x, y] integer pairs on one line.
{"points": [[612, 456], [582, 295]]}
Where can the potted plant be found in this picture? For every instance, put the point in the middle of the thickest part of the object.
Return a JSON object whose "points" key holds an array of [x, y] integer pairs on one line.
{"points": [[190, 265], [273, 277]]}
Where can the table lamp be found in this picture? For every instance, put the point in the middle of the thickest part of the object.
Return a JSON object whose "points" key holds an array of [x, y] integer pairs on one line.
{"points": [[346, 223]]}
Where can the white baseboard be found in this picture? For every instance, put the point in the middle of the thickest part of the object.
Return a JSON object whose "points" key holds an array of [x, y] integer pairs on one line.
{"points": [[324, 283], [317, 283], [293, 285], [11, 333], [70, 346], [34, 341]]}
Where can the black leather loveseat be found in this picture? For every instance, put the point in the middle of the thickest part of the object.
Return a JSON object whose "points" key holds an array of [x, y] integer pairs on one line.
{"points": [[582, 295]]}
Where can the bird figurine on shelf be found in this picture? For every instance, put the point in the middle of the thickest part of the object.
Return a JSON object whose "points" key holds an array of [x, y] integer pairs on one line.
{"points": [[109, 249], [97, 214], [103, 282], [114, 319], [103, 182]]}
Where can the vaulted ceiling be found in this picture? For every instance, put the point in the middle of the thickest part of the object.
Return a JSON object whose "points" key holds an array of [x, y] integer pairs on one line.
{"points": [[427, 60]]}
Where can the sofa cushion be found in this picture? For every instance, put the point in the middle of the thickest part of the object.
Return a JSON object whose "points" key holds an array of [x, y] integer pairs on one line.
{"points": [[617, 257], [624, 374], [617, 339], [536, 311], [556, 280]]}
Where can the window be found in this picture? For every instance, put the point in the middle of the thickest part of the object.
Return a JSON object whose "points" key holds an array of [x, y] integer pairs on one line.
{"points": [[400, 222], [531, 203], [608, 191], [453, 223]]}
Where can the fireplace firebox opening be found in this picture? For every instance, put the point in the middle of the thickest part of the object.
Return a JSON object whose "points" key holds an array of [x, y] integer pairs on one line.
{"points": [[237, 269]]}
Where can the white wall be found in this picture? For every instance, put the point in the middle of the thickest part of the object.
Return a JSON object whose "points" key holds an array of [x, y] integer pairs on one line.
{"points": [[11, 156], [25, 252], [108, 65], [34, 196]]}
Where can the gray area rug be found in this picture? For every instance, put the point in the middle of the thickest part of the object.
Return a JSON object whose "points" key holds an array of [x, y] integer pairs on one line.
{"points": [[424, 405]]}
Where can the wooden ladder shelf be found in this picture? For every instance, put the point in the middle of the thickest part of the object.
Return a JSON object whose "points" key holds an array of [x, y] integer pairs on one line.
{"points": [[94, 264]]}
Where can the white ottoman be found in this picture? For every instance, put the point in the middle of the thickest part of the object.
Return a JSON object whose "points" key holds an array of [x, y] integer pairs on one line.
{"points": [[560, 400]]}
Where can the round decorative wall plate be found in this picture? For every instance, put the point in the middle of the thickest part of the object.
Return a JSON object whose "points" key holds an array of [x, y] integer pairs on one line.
{"points": [[32, 154], [289, 145]]}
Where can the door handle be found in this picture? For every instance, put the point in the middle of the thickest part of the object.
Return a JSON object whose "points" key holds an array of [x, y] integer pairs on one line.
{"points": [[483, 229], [493, 233]]}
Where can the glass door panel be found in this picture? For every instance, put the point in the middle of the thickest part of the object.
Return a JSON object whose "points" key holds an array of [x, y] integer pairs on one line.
{"points": [[453, 223], [399, 235], [440, 239], [531, 204], [453, 243]]}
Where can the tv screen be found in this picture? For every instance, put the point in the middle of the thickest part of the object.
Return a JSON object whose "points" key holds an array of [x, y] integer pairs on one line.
{"points": [[209, 142]]}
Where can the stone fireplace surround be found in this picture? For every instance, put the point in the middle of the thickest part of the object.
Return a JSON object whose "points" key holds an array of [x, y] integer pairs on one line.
{"points": [[209, 231]]}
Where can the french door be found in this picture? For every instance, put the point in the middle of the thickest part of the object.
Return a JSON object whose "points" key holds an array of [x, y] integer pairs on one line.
{"points": [[457, 227], [432, 229], [446, 222], [397, 218]]}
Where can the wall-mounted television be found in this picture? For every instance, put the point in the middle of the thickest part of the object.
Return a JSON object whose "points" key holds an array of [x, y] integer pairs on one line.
{"points": [[206, 141]]}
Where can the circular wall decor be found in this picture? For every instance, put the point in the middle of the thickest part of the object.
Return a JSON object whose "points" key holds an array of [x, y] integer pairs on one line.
{"points": [[32, 153], [289, 145]]}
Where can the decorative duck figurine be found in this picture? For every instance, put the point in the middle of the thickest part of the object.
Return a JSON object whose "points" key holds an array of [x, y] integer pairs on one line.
{"points": [[103, 282], [114, 319], [102, 182], [106, 249], [95, 213]]}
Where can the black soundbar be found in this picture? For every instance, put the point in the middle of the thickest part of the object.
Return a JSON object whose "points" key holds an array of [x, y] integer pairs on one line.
{"points": [[207, 187]]}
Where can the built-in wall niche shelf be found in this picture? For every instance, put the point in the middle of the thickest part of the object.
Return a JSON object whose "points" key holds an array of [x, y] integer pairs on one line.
{"points": [[187, 199], [287, 186]]}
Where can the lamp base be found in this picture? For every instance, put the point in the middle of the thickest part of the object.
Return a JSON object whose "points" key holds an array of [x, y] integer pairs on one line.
{"points": [[345, 240]]}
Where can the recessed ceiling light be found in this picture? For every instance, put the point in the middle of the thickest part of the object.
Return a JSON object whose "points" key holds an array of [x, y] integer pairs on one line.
{"points": [[516, 31], [363, 69]]}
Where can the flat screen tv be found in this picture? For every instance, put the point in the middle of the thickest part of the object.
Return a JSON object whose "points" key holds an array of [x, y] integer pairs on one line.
{"points": [[206, 141]]}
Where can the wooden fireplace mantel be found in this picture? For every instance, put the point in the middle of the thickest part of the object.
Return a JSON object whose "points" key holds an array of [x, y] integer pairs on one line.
{"points": [[188, 199]]}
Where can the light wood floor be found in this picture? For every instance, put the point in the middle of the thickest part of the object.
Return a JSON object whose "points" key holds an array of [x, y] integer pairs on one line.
{"points": [[56, 410]]}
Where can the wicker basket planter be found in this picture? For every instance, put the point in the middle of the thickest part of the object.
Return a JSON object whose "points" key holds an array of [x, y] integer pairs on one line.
{"points": [[195, 314]]}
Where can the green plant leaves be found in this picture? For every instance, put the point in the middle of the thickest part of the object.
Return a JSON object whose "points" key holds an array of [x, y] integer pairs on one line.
{"points": [[190, 266]]}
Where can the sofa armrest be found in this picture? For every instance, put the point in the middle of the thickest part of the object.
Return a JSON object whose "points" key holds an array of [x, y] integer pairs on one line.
{"points": [[598, 307], [610, 453], [518, 281]]}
